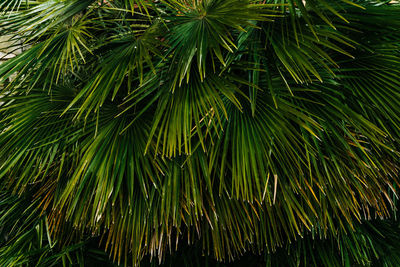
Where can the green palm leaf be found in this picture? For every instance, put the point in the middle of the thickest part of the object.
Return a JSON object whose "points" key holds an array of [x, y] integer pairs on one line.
{"points": [[157, 132]]}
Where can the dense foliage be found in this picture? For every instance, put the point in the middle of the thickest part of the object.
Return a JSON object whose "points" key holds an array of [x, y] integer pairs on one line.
{"points": [[190, 132]]}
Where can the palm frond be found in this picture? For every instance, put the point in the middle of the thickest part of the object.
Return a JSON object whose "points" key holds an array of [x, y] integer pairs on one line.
{"points": [[146, 128]]}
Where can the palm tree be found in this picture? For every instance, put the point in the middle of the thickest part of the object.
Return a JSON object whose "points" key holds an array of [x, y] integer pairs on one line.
{"points": [[200, 132]]}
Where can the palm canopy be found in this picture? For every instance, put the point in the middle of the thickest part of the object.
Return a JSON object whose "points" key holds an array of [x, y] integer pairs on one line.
{"points": [[229, 125]]}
